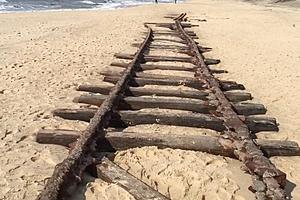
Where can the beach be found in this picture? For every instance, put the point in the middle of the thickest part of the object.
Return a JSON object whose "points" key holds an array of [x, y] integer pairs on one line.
{"points": [[46, 55]]}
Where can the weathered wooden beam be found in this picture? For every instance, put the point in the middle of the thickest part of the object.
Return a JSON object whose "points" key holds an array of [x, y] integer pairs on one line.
{"points": [[144, 67], [149, 75], [164, 46], [172, 25], [237, 96], [142, 91], [193, 83], [171, 40], [230, 85], [218, 71], [171, 33], [128, 118], [195, 105], [154, 81], [233, 96], [189, 32], [260, 123], [137, 103], [148, 58], [155, 58], [112, 173], [126, 140], [173, 47], [245, 108]]}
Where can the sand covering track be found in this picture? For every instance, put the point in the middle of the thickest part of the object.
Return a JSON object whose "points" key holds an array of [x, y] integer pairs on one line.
{"points": [[45, 55]]}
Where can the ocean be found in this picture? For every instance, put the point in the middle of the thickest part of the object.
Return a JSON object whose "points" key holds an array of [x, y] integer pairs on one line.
{"points": [[40, 5]]}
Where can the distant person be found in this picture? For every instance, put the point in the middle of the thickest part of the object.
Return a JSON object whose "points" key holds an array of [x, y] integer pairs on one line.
{"points": [[156, 1]]}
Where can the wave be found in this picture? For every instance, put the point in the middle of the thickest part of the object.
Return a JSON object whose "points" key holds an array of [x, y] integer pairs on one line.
{"points": [[53, 5], [87, 2]]}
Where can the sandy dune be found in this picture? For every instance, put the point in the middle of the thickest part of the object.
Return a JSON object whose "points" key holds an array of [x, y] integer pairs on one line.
{"points": [[45, 55]]}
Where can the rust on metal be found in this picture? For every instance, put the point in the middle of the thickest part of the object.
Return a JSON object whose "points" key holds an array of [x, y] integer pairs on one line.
{"points": [[67, 173], [245, 149]]}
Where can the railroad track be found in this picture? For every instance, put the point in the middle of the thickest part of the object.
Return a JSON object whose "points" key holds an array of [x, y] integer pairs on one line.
{"points": [[210, 103]]}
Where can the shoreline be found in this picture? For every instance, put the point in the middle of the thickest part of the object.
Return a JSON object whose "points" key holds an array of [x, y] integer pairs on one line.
{"points": [[45, 55], [291, 4], [108, 6]]}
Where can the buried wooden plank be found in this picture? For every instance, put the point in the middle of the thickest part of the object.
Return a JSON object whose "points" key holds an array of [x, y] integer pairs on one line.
{"points": [[143, 91], [112, 173], [126, 140], [195, 105], [129, 118]]}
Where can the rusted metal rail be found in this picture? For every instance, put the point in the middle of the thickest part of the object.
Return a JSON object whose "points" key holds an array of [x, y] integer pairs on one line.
{"points": [[214, 104], [68, 172], [238, 133]]}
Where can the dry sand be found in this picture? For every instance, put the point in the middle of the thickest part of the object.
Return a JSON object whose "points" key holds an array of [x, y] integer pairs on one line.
{"points": [[44, 55]]}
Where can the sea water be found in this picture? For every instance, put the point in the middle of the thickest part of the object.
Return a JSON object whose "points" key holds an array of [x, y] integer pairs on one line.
{"points": [[39, 5]]}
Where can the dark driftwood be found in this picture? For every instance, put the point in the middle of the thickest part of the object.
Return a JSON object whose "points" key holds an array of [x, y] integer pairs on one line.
{"points": [[195, 105], [136, 103], [127, 140], [142, 91], [112, 173], [128, 118], [148, 58]]}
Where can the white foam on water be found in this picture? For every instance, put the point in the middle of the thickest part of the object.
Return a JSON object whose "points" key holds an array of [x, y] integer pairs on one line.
{"points": [[110, 5], [121, 4], [86, 2]]}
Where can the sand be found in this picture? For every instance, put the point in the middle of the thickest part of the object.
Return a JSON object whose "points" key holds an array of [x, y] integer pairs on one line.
{"points": [[45, 55]]}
